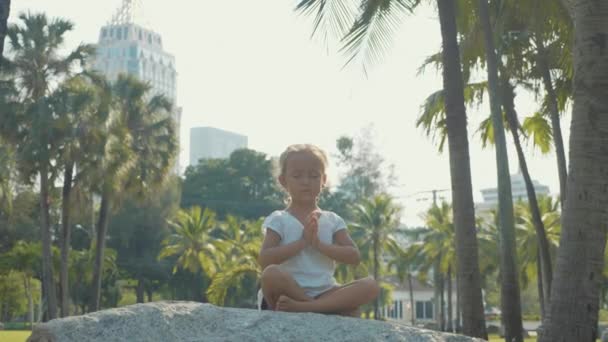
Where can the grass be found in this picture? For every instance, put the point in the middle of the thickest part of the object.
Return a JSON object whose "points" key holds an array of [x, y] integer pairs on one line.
{"points": [[14, 335]]}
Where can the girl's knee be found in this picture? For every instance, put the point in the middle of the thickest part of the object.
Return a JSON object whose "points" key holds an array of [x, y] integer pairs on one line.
{"points": [[372, 286], [271, 273]]}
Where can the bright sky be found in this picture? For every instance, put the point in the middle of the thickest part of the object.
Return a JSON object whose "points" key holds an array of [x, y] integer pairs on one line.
{"points": [[251, 67]]}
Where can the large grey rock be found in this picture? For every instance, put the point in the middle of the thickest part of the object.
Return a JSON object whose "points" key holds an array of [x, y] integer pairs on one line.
{"points": [[187, 321]]}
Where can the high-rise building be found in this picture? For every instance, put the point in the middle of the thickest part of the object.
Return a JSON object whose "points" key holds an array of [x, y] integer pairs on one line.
{"points": [[127, 45], [209, 142]]}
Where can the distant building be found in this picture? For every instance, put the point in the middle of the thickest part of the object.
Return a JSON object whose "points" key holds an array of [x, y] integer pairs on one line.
{"points": [[126, 46], [209, 142], [518, 190]]}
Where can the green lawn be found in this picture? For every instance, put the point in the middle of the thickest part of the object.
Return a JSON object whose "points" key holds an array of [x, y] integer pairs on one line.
{"points": [[14, 336]]}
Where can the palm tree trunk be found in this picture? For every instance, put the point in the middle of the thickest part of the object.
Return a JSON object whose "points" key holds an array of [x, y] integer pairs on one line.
{"points": [[48, 281], [149, 294], [65, 238], [573, 314], [541, 292], [139, 291], [376, 276], [460, 173], [439, 303], [442, 302], [450, 326], [539, 226], [458, 308], [510, 296], [555, 118], [412, 303], [102, 226], [30, 301], [5, 9]]}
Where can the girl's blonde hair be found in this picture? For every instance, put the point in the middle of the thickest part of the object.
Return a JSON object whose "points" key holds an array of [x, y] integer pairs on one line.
{"points": [[312, 149]]}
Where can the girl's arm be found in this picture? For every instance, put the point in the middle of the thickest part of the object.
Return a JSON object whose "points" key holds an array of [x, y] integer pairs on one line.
{"points": [[272, 253], [343, 250]]}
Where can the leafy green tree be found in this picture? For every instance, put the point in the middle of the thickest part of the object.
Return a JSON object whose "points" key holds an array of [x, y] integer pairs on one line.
{"points": [[24, 258], [366, 174], [136, 232], [242, 185]]}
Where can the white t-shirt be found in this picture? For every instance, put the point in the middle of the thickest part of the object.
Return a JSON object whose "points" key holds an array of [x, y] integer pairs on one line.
{"points": [[310, 268]]}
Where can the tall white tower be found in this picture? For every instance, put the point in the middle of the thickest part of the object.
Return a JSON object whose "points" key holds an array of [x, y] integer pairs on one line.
{"points": [[128, 45]]}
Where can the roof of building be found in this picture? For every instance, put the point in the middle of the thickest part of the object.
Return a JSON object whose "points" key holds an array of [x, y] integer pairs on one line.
{"points": [[130, 12]]}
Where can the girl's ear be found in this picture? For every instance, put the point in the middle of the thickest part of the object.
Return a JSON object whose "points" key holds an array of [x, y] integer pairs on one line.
{"points": [[324, 181], [282, 180]]}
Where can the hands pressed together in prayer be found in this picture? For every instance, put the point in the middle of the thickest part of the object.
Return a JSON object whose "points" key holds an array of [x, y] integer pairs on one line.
{"points": [[311, 229]]}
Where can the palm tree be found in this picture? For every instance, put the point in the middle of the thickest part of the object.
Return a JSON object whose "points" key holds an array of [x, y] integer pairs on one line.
{"points": [[510, 297], [573, 315], [240, 243], [196, 249], [468, 276], [529, 245], [137, 155], [84, 110], [375, 223], [5, 9], [33, 129], [435, 251]]}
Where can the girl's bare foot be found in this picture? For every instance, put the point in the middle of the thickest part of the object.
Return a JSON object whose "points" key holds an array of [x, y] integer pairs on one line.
{"points": [[287, 304]]}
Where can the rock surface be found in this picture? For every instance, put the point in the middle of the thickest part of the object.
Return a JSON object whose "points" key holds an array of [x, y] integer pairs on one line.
{"points": [[188, 321]]}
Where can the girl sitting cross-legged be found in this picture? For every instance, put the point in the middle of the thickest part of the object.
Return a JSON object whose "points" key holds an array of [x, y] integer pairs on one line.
{"points": [[303, 242]]}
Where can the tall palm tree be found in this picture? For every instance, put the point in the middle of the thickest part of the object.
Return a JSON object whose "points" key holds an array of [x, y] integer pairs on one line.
{"points": [[137, 156], [510, 296], [33, 129], [468, 276], [84, 110], [573, 315], [375, 223], [196, 249]]}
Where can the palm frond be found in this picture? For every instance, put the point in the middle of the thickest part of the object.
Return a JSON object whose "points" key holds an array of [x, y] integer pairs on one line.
{"points": [[332, 18], [371, 34], [537, 127]]}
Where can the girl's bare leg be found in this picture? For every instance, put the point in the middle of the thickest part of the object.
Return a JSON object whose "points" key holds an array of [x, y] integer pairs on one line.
{"points": [[345, 299], [276, 283]]}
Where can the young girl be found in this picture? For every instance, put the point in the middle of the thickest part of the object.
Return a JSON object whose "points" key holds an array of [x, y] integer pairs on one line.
{"points": [[302, 242]]}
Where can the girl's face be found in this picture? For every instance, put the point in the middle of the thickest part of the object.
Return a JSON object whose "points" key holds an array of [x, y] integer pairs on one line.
{"points": [[303, 177]]}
